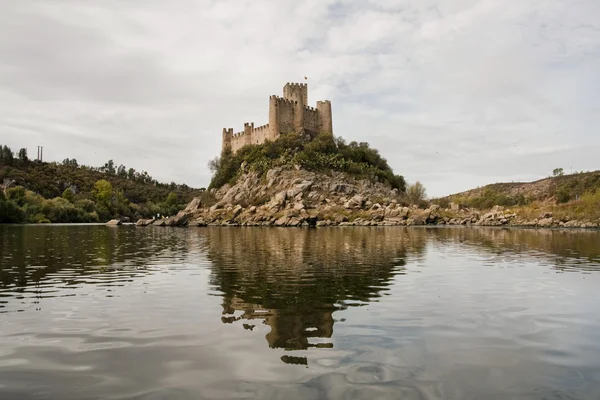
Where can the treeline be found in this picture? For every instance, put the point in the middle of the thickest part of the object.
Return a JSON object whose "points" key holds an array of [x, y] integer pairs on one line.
{"points": [[321, 154], [34, 191]]}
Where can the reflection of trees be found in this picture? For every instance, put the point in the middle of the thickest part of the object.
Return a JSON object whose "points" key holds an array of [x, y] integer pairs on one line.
{"points": [[566, 249], [294, 280], [30, 255]]}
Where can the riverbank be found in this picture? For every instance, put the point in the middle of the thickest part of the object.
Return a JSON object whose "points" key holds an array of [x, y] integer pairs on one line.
{"points": [[295, 197]]}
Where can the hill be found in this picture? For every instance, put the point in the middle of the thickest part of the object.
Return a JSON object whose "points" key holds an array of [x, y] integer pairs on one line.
{"points": [[558, 189], [301, 180], [34, 191]]}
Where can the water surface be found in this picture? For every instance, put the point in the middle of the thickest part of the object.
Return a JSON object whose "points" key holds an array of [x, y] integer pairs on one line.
{"points": [[94, 312]]}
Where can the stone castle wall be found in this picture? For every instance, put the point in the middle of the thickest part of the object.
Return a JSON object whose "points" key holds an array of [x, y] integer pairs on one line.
{"points": [[287, 114]]}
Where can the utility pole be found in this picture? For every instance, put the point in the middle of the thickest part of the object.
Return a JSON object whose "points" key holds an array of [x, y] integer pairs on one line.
{"points": [[40, 153]]}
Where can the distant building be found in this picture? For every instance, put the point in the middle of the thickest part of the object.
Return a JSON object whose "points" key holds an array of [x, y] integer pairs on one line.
{"points": [[289, 113]]}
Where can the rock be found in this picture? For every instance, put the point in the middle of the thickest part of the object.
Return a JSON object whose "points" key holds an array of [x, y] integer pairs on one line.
{"points": [[252, 210], [295, 221], [180, 219], [340, 218], [217, 206], [144, 222], [199, 222], [338, 188], [159, 222], [496, 209], [357, 201], [545, 222], [194, 205], [299, 206], [323, 223], [281, 221], [272, 173], [114, 222], [236, 211], [280, 197]]}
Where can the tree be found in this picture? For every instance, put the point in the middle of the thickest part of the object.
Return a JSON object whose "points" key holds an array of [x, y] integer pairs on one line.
{"points": [[171, 204], [6, 155], [122, 171], [109, 167], [70, 162], [214, 165], [103, 192], [68, 195], [416, 193], [557, 172], [23, 155]]}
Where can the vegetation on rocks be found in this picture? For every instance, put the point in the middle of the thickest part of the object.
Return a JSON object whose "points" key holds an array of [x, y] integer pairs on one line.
{"points": [[558, 189], [34, 191], [323, 154]]}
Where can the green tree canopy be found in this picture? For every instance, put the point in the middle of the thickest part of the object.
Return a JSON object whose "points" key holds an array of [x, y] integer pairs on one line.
{"points": [[103, 192]]}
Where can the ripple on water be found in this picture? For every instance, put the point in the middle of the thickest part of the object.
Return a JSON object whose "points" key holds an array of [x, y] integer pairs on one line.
{"points": [[298, 313]]}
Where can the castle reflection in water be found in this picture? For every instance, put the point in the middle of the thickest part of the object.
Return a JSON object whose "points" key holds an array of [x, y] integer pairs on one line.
{"points": [[294, 280]]}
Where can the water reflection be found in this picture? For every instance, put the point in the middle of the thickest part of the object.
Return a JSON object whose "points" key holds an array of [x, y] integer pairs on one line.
{"points": [[564, 250], [294, 280], [423, 313]]}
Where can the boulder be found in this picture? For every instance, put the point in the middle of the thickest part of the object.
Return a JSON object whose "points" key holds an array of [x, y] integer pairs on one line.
{"points": [[237, 210], [281, 221], [280, 197], [545, 222], [144, 222], [114, 222], [194, 205], [180, 219], [295, 221]]}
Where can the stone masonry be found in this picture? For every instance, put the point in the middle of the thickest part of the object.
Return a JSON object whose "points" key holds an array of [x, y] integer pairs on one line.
{"points": [[287, 114]]}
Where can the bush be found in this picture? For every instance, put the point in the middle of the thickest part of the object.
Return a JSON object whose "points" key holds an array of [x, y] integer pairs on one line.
{"points": [[562, 194], [415, 194], [11, 213], [324, 153]]}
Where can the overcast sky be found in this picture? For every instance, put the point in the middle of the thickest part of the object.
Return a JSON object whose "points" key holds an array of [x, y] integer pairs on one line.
{"points": [[454, 93]]}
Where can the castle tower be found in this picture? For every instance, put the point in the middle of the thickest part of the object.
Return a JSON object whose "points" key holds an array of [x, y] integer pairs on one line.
{"points": [[274, 129], [297, 92], [227, 137], [325, 120]]}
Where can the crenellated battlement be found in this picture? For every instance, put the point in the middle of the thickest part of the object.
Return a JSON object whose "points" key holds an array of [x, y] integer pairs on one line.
{"points": [[283, 99], [290, 113]]}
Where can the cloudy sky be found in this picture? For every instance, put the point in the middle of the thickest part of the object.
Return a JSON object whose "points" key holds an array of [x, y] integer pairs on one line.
{"points": [[454, 93]]}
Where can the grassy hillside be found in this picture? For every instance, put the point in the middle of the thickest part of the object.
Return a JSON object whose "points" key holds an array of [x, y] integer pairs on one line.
{"points": [[68, 192], [559, 189], [321, 154]]}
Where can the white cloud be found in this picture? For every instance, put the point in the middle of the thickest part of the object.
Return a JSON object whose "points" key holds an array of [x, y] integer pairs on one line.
{"points": [[455, 93]]}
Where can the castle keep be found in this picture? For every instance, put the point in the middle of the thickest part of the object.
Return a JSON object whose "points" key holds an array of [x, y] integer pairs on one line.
{"points": [[289, 113]]}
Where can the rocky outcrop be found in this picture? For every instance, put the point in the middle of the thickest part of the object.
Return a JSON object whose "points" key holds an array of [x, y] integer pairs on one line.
{"points": [[294, 197], [114, 222], [144, 222]]}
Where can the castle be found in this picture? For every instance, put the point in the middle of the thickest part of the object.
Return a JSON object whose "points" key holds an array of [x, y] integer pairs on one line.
{"points": [[289, 113]]}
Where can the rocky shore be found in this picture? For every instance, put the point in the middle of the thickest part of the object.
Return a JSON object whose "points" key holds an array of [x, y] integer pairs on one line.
{"points": [[294, 197]]}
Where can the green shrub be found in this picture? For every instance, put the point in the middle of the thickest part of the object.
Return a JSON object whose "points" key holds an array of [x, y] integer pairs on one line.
{"points": [[562, 194], [324, 153]]}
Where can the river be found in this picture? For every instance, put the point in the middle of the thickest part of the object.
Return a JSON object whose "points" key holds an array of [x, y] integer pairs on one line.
{"points": [[96, 312]]}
